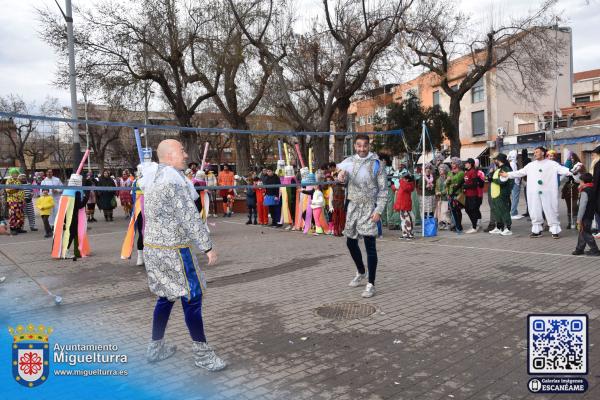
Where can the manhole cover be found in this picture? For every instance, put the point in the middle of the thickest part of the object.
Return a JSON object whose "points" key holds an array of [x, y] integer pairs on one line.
{"points": [[341, 311]]}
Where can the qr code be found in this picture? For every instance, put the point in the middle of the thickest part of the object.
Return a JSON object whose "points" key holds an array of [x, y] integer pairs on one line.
{"points": [[557, 344]]}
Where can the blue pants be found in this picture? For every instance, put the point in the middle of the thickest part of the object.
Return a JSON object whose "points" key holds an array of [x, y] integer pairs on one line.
{"points": [[371, 256], [192, 311], [514, 199]]}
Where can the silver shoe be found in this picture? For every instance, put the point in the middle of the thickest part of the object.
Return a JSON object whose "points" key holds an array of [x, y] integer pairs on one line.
{"points": [[205, 357], [158, 350], [356, 281], [369, 291]]}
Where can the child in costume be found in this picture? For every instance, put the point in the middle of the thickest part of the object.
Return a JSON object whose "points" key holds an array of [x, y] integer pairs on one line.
{"points": [[328, 209], [317, 203], [261, 210], [91, 203], [45, 203], [338, 202], [288, 197], [251, 202], [403, 205], [15, 199], [307, 212]]}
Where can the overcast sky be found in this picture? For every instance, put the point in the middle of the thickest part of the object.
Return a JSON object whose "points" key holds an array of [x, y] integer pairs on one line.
{"points": [[28, 66]]}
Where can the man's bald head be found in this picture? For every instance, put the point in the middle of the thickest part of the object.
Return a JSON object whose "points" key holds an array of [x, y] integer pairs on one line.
{"points": [[171, 152]]}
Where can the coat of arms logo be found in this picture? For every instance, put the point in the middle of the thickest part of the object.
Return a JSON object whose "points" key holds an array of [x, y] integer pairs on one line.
{"points": [[30, 354]]}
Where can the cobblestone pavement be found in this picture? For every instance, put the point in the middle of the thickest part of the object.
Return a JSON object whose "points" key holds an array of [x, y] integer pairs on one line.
{"points": [[450, 319]]}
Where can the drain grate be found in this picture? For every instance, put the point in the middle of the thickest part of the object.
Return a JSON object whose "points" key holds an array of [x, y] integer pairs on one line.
{"points": [[343, 311]]}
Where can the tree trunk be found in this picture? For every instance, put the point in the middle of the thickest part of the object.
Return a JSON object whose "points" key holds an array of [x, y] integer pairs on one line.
{"points": [[100, 160], [242, 148], [22, 162], [320, 151], [454, 136], [189, 139], [341, 125]]}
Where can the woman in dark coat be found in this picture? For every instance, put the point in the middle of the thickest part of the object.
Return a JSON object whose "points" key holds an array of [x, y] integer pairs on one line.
{"points": [[106, 199]]}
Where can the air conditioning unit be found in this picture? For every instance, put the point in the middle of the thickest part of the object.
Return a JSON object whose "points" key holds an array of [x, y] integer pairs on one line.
{"points": [[491, 144]]}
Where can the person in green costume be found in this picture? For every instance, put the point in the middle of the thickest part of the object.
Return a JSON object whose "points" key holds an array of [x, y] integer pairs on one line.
{"points": [[456, 195]]}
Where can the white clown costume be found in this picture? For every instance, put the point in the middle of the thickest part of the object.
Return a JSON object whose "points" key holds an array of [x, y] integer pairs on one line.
{"points": [[542, 192]]}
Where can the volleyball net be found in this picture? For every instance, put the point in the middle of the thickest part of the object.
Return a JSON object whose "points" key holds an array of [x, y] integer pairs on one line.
{"points": [[47, 143]]}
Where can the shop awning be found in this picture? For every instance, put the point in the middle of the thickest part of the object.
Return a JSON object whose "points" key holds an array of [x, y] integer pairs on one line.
{"points": [[428, 158], [473, 151]]}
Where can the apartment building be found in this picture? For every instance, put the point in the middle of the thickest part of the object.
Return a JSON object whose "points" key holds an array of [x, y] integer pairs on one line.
{"points": [[487, 109]]}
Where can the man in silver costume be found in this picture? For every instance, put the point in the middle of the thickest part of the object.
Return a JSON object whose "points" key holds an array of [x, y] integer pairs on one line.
{"points": [[172, 226], [366, 198]]}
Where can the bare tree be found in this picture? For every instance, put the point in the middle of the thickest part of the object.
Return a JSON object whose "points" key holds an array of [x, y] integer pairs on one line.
{"points": [[245, 72], [149, 40], [522, 50], [61, 154], [327, 65], [23, 134], [102, 138]]}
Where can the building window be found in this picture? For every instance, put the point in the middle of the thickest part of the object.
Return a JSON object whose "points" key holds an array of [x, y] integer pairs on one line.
{"points": [[478, 122], [361, 121], [436, 98], [381, 113], [527, 128], [582, 99], [370, 119], [477, 92]]}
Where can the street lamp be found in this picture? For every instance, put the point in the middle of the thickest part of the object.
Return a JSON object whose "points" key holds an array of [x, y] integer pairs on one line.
{"points": [[68, 16]]}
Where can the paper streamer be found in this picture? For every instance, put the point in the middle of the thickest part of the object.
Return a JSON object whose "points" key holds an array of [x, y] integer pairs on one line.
{"points": [[204, 156], [287, 154], [299, 155], [82, 163], [310, 160], [279, 149]]}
